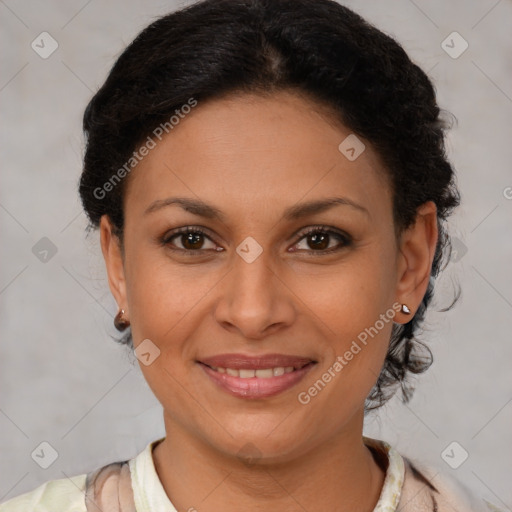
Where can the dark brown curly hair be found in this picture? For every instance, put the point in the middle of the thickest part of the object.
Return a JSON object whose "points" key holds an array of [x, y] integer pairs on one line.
{"points": [[317, 47]]}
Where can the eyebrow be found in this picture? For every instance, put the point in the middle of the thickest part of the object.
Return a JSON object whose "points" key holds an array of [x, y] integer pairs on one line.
{"points": [[202, 209]]}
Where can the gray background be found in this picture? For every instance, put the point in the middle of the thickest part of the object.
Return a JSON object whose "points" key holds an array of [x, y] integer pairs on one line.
{"points": [[63, 380]]}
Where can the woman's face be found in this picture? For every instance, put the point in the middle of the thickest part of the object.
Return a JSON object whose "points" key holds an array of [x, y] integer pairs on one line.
{"points": [[257, 284]]}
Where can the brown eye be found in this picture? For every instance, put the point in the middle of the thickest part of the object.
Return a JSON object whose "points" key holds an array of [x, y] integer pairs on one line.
{"points": [[192, 240], [319, 240]]}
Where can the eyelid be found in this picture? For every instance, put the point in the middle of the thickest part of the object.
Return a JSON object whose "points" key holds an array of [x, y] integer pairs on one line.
{"points": [[320, 228]]}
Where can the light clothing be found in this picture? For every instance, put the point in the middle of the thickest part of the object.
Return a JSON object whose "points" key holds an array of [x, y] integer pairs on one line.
{"points": [[134, 486]]}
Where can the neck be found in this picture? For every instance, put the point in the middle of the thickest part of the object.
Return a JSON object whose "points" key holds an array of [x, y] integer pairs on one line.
{"points": [[338, 475]]}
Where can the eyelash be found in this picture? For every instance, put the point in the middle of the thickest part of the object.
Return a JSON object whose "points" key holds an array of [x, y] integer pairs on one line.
{"points": [[344, 238]]}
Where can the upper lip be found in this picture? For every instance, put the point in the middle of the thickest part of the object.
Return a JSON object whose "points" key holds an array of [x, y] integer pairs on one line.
{"points": [[247, 362]]}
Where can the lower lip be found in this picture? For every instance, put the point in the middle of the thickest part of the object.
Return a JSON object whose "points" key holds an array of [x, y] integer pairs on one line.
{"points": [[255, 387]]}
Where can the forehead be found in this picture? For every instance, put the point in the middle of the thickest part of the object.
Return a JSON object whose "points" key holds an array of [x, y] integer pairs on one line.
{"points": [[253, 151]]}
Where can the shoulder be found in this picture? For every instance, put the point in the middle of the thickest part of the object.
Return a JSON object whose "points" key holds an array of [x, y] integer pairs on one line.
{"points": [[66, 494], [427, 489], [105, 488]]}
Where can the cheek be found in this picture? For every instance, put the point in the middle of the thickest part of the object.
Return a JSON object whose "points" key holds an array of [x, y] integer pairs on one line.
{"points": [[159, 292], [355, 309], [351, 295], [357, 340]]}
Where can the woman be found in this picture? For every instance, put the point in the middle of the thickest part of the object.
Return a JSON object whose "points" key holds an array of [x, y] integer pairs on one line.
{"points": [[270, 186]]}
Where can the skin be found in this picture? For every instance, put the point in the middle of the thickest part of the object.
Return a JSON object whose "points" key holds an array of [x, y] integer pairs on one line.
{"points": [[252, 157]]}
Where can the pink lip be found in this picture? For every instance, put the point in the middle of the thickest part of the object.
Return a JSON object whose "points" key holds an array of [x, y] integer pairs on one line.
{"points": [[255, 387], [247, 362]]}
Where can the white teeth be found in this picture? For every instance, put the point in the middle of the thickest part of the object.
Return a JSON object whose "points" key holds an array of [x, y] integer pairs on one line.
{"points": [[263, 373]]}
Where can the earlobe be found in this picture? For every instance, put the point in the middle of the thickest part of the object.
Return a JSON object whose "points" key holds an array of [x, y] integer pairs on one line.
{"points": [[110, 247], [416, 254]]}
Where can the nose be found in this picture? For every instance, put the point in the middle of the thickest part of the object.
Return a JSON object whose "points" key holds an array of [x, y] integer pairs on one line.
{"points": [[254, 298]]}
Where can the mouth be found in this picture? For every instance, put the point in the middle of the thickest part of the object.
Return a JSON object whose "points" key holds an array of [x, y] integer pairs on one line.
{"points": [[254, 378]]}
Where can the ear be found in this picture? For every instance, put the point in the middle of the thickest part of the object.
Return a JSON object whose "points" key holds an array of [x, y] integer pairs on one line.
{"points": [[110, 246], [416, 254]]}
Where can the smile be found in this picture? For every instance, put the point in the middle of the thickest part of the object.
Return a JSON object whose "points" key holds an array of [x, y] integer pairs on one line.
{"points": [[256, 383]]}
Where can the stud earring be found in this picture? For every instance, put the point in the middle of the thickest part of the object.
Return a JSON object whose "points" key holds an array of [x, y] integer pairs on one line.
{"points": [[121, 323], [405, 309]]}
